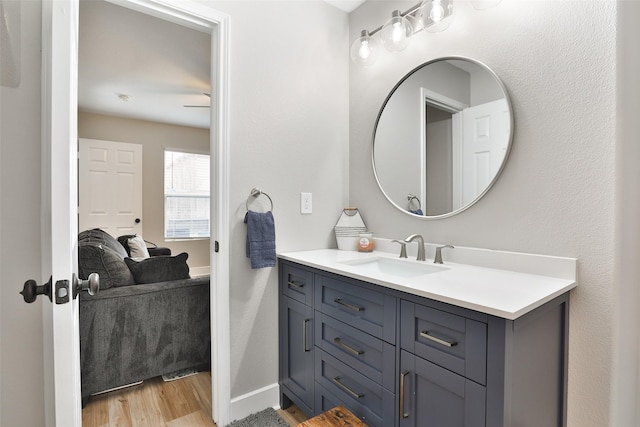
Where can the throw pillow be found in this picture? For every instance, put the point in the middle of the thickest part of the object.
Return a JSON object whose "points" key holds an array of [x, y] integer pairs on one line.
{"points": [[159, 268], [137, 247], [100, 237], [109, 265]]}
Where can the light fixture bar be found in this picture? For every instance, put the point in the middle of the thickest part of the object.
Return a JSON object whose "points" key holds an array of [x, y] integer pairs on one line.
{"points": [[410, 11]]}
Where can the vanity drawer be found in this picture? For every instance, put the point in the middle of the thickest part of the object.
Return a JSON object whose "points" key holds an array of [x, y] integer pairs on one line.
{"points": [[366, 354], [296, 283], [368, 400], [448, 340], [363, 308]]}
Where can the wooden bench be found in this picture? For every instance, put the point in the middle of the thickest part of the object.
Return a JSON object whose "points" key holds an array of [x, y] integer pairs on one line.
{"points": [[336, 417]]}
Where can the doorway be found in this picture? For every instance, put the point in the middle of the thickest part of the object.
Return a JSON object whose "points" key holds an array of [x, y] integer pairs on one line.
{"points": [[204, 19]]}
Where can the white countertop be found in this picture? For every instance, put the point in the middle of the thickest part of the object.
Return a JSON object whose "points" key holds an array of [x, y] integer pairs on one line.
{"points": [[502, 293]]}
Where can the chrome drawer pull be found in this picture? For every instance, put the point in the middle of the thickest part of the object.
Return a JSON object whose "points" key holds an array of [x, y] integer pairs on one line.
{"points": [[425, 334], [347, 389], [295, 285], [350, 306], [403, 414], [350, 349]]}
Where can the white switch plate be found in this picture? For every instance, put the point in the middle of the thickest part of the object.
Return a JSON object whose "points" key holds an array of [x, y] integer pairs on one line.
{"points": [[306, 204]]}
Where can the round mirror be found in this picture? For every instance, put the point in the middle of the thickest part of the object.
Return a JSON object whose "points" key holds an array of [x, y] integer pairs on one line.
{"points": [[442, 137]]}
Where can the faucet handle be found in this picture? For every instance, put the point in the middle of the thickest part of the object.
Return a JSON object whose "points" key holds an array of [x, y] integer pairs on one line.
{"points": [[403, 248], [438, 258]]}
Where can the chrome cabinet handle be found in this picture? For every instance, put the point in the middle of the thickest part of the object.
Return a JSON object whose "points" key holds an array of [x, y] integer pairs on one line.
{"points": [[347, 347], [295, 285], [425, 334], [403, 414], [347, 388], [304, 335], [349, 306]]}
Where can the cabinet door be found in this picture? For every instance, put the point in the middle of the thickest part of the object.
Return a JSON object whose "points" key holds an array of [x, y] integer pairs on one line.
{"points": [[433, 396], [296, 352]]}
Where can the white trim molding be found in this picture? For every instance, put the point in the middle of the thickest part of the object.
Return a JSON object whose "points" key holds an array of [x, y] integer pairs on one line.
{"points": [[255, 401]]}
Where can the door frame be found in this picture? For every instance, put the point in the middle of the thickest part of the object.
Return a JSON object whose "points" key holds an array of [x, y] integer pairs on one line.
{"points": [[62, 379]]}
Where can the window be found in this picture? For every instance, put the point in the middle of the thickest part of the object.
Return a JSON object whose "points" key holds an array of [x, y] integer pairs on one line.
{"points": [[186, 195]]}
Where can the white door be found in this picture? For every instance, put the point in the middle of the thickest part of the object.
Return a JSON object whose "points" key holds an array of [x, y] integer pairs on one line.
{"points": [[485, 136], [59, 164], [110, 186]]}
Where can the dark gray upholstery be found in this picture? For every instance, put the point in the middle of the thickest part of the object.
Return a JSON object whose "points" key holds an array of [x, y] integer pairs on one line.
{"points": [[156, 269], [131, 331]]}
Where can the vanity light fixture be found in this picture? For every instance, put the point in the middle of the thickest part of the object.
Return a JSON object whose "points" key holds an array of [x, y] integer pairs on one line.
{"points": [[429, 15], [396, 32], [436, 15], [364, 50]]}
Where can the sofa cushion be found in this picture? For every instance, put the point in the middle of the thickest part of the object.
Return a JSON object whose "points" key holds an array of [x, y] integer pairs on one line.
{"points": [[100, 237], [101, 259], [160, 268], [137, 247]]}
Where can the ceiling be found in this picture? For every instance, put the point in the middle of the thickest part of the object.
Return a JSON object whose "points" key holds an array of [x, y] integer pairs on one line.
{"points": [[138, 66], [129, 67]]}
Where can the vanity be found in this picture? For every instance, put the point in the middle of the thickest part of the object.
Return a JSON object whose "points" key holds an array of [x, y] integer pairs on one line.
{"points": [[402, 343], [479, 341]]}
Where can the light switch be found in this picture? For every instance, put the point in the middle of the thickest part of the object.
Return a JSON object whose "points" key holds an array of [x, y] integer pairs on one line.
{"points": [[306, 205]]}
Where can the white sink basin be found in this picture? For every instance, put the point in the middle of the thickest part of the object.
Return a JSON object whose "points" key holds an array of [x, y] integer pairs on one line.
{"points": [[393, 267]]}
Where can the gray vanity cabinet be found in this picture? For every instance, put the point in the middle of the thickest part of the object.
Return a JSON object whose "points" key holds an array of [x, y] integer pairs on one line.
{"points": [[296, 337], [442, 368], [433, 396], [400, 360]]}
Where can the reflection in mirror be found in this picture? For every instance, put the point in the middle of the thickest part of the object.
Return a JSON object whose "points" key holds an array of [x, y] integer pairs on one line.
{"points": [[442, 137]]}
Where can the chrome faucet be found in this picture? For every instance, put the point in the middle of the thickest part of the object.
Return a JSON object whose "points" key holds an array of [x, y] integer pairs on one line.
{"points": [[438, 258], [403, 248], [410, 239]]}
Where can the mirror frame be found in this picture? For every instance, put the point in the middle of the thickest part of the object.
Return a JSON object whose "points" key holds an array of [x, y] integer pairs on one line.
{"points": [[506, 155]]}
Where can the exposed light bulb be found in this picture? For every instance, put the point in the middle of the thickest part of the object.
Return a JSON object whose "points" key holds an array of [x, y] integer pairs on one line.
{"points": [[396, 31], [437, 11], [436, 15], [364, 50]]}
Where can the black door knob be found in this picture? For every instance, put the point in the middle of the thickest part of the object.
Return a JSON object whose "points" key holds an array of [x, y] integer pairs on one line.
{"points": [[137, 221], [31, 290]]}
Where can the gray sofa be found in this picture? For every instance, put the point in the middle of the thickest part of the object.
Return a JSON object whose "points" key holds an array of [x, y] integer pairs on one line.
{"points": [[138, 327]]}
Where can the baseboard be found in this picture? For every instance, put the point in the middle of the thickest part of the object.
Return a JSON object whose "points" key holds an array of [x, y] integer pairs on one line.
{"points": [[199, 271], [255, 401]]}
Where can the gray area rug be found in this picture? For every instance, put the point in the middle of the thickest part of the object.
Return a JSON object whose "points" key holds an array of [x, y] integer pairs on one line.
{"points": [[265, 418]]}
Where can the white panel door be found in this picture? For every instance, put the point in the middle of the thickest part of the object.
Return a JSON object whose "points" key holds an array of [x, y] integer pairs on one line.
{"points": [[485, 136], [110, 186], [61, 344]]}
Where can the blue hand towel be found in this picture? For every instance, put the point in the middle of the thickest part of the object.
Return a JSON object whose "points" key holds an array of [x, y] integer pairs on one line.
{"points": [[261, 239]]}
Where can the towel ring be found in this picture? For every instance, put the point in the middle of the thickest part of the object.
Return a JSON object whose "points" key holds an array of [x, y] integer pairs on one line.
{"points": [[255, 193], [410, 198]]}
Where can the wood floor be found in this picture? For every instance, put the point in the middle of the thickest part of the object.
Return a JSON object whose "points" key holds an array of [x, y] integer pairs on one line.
{"points": [[181, 403]]}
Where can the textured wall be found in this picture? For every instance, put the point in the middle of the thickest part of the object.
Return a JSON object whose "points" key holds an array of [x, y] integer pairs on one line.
{"points": [[288, 134], [21, 364], [556, 195], [155, 138], [625, 409]]}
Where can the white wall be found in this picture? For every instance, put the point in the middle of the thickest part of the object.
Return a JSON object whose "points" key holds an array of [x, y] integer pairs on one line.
{"points": [[289, 133], [556, 195], [21, 364], [626, 381]]}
